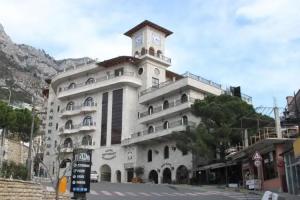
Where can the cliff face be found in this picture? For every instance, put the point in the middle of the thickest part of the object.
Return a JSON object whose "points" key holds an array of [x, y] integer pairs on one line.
{"points": [[21, 65]]}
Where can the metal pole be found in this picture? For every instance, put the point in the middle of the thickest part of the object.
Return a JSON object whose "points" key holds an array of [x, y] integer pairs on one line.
{"points": [[29, 160]]}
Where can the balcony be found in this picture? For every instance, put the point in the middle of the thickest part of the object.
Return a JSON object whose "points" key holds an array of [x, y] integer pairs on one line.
{"points": [[101, 83], [154, 56], [189, 80], [78, 128], [78, 110], [159, 134], [176, 106]]}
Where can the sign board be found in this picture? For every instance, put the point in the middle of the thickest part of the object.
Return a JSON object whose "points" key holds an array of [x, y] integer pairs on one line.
{"points": [[253, 184], [256, 156], [81, 170], [296, 147]]}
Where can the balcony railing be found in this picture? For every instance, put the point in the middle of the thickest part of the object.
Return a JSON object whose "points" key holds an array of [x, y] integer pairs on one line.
{"points": [[161, 127], [156, 55], [185, 75], [99, 79], [76, 127], [172, 104], [78, 107]]}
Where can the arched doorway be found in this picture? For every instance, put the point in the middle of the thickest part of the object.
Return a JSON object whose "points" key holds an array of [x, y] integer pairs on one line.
{"points": [[153, 176], [105, 173], [118, 175], [167, 176], [182, 175]]}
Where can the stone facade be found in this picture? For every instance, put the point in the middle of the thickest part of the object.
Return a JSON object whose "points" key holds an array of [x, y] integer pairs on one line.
{"points": [[16, 189], [15, 151]]}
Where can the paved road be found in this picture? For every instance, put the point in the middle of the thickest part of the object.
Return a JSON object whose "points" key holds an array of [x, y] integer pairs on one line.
{"points": [[115, 191]]}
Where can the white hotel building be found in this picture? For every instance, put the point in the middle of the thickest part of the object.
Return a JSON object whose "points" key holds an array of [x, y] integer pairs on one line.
{"points": [[126, 109]]}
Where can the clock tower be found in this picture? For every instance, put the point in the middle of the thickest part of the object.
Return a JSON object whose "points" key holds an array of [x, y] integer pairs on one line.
{"points": [[148, 44]]}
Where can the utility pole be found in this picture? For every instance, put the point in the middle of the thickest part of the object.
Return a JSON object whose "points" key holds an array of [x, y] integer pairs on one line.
{"points": [[29, 159]]}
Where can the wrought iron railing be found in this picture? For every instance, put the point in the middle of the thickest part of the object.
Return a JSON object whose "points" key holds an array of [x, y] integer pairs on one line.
{"points": [[77, 126], [78, 107]]}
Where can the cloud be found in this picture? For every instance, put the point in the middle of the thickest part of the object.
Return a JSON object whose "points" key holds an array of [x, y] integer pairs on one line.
{"points": [[254, 44]]}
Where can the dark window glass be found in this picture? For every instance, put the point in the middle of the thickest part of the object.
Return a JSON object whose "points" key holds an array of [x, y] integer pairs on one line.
{"points": [[68, 143], [166, 105], [56, 126], [150, 110], [184, 98], [270, 166], [72, 85], [116, 118], [70, 106], [150, 155], [87, 121], [86, 140], [119, 72], [69, 124], [166, 125], [140, 72], [185, 120], [150, 129], [90, 81], [155, 82], [88, 101], [58, 108], [166, 152], [104, 119]]}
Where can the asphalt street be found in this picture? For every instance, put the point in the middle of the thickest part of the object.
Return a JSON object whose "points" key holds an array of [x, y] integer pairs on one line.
{"points": [[116, 191]]}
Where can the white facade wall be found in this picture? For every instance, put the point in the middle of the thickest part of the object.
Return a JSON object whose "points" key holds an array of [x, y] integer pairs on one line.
{"points": [[125, 156]]}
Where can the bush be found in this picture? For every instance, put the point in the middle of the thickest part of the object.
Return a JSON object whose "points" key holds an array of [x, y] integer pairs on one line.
{"points": [[13, 170]]}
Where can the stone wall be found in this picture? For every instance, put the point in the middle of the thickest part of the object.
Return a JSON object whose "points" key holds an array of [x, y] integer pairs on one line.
{"points": [[17, 190], [15, 151]]}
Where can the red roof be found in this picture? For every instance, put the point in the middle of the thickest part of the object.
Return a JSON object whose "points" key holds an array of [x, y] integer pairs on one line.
{"points": [[118, 60], [147, 23]]}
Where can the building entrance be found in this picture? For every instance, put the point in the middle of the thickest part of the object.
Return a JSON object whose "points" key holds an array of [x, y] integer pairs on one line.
{"points": [[182, 175], [153, 176], [105, 173], [167, 176]]}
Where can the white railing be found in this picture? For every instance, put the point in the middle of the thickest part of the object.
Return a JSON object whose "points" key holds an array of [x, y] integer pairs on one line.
{"points": [[155, 55], [172, 104], [99, 79], [78, 107]]}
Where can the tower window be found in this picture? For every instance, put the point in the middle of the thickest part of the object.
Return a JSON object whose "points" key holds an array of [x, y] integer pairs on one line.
{"points": [[150, 155], [141, 70]]}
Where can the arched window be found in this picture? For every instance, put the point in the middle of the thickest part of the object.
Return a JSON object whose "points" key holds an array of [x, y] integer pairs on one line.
{"points": [[68, 143], [70, 106], [136, 54], [151, 51], [166, 104], [166, 152], [184, 98], [143, 51], [88, 102], [184, 120], [69, 124], [87, 121], [90, 81], [72, 85], [86, 140], [166, 125], [150, 110], [159, 53], [150, 129], [150, 155]]}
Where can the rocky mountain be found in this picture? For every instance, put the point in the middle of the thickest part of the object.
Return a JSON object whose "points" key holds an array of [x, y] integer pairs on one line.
{"points": [[21, 65]]}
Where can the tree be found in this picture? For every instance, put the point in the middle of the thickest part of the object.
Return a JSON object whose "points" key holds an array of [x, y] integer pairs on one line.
{"points": [[219, 128]]}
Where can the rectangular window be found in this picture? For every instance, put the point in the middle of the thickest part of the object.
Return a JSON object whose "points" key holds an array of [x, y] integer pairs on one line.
{"points": [[50, 124], [116, 118], [155, 82], [270, 166], [58, 108], [49, 131], [56, 127], [104, 119], [119, 72]]}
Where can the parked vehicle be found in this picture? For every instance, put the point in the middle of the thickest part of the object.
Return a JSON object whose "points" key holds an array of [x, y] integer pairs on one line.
{"points": [[94, 176]]}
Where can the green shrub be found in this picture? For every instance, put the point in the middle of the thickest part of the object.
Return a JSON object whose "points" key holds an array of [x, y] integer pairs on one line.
{"points": [[13, 170]]}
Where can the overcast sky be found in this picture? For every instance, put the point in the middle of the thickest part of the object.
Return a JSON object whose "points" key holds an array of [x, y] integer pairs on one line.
{"points": [[251, 43]]}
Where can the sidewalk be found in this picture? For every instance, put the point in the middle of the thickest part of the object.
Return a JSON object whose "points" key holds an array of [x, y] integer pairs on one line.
{"points": [[223, 188]]}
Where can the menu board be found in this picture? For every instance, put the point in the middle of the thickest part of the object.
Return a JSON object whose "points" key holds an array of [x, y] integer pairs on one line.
{"points": [[81, 170]]}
